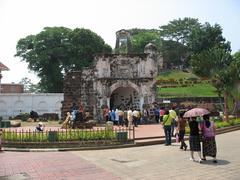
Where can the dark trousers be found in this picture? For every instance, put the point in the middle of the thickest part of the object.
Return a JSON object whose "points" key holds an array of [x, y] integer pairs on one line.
{"points": [[135, 119], [121, 123], [157, 118], [181, 139], [106, 118], [126, 122], [168, 138]]}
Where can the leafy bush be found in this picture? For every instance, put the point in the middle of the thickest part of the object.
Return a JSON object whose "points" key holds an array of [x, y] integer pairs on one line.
{"points": [[22, 116], [220, 124], [49, 116]]}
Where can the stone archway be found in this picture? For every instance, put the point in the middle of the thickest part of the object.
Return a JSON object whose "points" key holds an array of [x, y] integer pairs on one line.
{"points": [[124, 94], [123, 98]]}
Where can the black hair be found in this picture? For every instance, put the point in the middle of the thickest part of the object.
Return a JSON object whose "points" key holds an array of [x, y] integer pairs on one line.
{"points": [[181, 114], [206, 120], [167, 112]]}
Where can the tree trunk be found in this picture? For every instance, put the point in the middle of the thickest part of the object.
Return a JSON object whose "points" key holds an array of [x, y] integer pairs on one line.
{"points": [[225, 96]]}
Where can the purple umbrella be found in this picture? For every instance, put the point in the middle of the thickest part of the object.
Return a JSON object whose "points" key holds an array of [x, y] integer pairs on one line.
{"points": [[196, 112]]}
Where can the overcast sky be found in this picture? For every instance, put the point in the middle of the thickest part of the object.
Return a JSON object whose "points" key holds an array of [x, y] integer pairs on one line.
{"points": [[20, 18]]}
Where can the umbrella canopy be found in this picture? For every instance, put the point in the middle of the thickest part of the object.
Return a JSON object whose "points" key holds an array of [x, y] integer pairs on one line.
{"points": [[195, 112]]}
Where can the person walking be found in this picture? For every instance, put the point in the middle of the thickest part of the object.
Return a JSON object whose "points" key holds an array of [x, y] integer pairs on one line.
{"points": [[129, 117], [194, 139], [135, 118], [181, 128], [67, 122], [157, 114], [112, 115], [161, 114], [167, 121], [106, 113], [173, 114], [121, 117], [209, 147], [116, 120]]}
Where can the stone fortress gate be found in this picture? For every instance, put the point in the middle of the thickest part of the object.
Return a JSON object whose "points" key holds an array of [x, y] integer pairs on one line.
{"points": [[120, 80]]}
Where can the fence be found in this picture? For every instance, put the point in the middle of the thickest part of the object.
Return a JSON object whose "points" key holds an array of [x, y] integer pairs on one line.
{"points": [[68, 138]]}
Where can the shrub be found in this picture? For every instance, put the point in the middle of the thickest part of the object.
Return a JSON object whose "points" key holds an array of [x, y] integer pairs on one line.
{"points": [[71, 135], [49, 116], [22, 116]]}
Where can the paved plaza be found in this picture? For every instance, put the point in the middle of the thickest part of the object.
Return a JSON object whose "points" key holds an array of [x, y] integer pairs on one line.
{"points": [[147, 162]]}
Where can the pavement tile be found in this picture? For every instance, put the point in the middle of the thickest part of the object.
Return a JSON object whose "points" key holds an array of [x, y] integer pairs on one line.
{"points": [[49, 165], [137, 163]]}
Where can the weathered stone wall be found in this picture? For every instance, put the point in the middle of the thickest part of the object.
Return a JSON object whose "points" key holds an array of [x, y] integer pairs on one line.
{"points": [[96, 87], [78, 89]]}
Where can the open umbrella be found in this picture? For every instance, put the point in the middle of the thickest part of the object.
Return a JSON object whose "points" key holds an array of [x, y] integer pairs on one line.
{"points": [[195, 112]]}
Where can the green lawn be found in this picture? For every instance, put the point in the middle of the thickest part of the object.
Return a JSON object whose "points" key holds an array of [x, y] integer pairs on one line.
{"points": [[198, 90], [175, 74]]}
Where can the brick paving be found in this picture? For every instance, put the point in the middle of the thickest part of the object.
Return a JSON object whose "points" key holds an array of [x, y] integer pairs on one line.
{"points": [[168, 162], [50, 165], [138, 163], [150, 130]]}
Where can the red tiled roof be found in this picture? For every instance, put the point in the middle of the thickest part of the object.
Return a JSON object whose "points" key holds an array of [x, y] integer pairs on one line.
{"points": [[3, 67]]}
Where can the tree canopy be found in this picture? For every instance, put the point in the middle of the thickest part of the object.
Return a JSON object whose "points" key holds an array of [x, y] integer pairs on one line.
{"points": [[141, 37], [179, 30], [57, 50]]}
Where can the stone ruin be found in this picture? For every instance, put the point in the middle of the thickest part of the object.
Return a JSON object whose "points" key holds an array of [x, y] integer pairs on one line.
{"points": [[119, 80]]}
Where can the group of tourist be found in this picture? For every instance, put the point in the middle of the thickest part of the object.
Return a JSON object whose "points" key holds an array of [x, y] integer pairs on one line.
{"points": [[122, 118], [201, 132], [76, 114]]}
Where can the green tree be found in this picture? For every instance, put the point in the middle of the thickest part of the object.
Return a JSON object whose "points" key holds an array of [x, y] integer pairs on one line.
{"points": [[29, 87], [215, 64], [179, 30], [235, 91], [210, 61], [141, 37], [57, 50], [175, 37], [174, 54], [205, 37]]}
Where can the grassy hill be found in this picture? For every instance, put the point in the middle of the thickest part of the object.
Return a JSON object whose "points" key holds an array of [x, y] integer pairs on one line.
{"points": [[183, 84], [176, 74]]}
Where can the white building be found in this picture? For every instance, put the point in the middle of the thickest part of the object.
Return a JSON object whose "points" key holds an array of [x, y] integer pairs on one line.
{"points": [[13, 104]]}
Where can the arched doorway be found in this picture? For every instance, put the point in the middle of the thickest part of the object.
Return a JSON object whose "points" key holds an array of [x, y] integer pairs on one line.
{"points": [[125, 97]]}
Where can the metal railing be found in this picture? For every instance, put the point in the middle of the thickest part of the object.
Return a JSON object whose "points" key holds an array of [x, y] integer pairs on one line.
{"points": [[79, 136]]}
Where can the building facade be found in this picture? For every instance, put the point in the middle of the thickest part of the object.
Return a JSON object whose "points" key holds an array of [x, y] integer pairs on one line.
{"points": [[12, 88]]}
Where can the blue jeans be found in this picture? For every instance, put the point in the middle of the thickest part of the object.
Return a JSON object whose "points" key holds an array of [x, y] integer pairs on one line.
{"points": [[168, 138]]}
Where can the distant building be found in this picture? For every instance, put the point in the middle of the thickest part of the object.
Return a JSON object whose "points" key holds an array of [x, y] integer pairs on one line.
{"points": [[2, 68], [12, 88]]}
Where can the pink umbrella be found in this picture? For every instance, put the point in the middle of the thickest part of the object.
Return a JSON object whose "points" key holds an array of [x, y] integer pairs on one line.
{"points": [[196, 112]]}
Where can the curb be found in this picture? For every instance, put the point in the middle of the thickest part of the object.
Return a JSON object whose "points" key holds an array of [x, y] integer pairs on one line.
{"points": [[138, 142], [69, 149]]}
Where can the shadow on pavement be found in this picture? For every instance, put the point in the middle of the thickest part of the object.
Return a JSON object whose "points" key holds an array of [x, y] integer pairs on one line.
{"points": [[220, 162]]}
